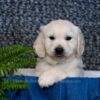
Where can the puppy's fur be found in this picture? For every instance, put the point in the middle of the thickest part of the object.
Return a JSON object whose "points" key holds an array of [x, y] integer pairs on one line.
{"points": [[51, 67]]}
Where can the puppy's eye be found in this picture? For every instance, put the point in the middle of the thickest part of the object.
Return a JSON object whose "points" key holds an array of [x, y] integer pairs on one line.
{"points": [[68, 38], [51, 37]]}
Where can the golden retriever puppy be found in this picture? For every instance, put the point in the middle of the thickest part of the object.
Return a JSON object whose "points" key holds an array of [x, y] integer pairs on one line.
{"points": [[59, 46]]}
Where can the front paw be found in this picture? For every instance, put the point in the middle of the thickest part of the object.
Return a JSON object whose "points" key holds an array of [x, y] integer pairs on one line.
{"points": [[46, 80], [50, 77]]}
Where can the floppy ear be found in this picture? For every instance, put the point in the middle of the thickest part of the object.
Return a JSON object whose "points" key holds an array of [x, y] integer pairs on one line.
{"points": [[39, 45], [80, 43]]}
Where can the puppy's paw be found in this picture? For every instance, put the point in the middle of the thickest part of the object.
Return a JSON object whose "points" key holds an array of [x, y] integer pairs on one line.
{"points": [[46, 80], [50, 77]]}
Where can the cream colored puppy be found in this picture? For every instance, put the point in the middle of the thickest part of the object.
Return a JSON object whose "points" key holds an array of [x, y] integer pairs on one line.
{"points": [[59, 45]]}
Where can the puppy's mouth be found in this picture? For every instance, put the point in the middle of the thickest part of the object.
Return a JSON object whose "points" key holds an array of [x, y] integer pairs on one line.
{"points": [[59, 55]]}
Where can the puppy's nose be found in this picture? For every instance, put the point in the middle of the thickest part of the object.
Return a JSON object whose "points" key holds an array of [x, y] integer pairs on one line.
{"points": [[59, 50]]}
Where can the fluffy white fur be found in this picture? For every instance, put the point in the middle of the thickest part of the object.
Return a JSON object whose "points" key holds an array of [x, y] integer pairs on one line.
{"points": [[51, 68]]}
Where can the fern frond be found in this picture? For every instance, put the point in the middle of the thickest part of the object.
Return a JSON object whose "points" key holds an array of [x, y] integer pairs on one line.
{"points": [[15, 56], [7, 84], [13, 50], [13, 84], [3, 98], [11, 58]]}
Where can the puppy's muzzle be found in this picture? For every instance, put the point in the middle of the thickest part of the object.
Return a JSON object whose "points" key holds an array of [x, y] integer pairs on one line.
{"points": [[59, 51]]}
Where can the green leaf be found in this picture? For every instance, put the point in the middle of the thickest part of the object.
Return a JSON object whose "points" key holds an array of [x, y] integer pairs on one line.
{"points": [[15, 56], [11, 58]]}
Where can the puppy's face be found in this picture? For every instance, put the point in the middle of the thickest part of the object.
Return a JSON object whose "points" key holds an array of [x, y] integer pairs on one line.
{"points": [[60, 39]]}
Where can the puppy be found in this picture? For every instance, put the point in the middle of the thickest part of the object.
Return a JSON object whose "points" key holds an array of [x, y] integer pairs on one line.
{"points": [[59, 46]]}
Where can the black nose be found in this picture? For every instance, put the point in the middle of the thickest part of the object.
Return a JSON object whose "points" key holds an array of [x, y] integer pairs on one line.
{"points": [[59, 50]]}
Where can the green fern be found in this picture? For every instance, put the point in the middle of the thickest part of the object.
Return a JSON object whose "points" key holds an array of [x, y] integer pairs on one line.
{"points": [[11, 58], [15, 56]]}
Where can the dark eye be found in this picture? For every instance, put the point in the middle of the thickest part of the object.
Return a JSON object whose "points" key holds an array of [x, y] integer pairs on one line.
{"points": [[68, 38], [51, 37]]}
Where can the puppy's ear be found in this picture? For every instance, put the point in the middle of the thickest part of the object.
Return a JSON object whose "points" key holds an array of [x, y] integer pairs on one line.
{"points": [[39, 45], [80, 43]]}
